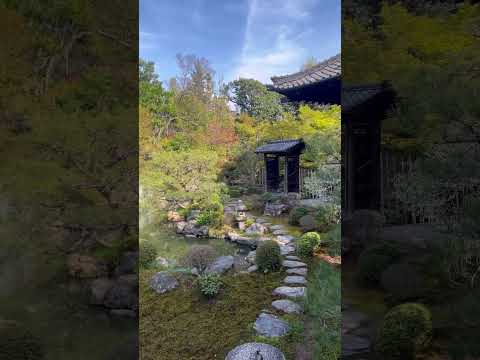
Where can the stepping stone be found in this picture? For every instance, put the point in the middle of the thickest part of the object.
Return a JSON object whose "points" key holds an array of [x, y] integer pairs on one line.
{"points": [[261, 221], [285, 238], [285, 249], [280, 232], [293, 264], [287, 306], [355, 345], [295, 280], [297, 271], [255, 351], [270, 326], [252, 268], [291, 292], [292, 257], [276, 227]]}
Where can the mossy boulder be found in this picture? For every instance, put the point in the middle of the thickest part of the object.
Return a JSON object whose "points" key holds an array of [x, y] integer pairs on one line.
{"points": [[18, 343], [406, 331]]}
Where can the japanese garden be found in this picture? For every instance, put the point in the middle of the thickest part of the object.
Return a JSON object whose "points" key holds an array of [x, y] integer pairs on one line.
{"points": [[239, 215]]}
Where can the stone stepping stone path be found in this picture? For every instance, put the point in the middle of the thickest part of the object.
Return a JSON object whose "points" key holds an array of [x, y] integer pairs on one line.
{"points": [[255, 351], [290, 292], [297, 271], [287, 306], [295, 280], [286, 250], [293, 264], [270, 326], [294, 288]]}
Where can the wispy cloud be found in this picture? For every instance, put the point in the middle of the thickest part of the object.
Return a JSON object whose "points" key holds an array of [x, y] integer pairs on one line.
{"points": [[271, 41]]}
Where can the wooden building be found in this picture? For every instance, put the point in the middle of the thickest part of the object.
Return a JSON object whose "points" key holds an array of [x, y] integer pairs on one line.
{"points": [[363, 108], [285, 178], [320, 84]]}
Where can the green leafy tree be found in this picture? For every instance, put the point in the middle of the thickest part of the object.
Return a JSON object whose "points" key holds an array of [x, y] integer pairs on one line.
{"points": [[254, 99]]}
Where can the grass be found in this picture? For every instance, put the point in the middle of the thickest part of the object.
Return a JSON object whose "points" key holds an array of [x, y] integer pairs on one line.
{"points": [[323, 305], [184, 324]]}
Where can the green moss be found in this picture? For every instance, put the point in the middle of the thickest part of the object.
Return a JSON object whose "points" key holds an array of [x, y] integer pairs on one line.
{"points": [[184, 322]]}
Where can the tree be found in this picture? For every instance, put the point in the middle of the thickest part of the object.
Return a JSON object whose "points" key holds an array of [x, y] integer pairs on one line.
{"points": [[146, 72], [196, 77], [254, 99]]}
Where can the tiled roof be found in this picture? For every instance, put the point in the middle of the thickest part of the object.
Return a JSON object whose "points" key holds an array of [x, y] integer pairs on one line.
{"points": [[353, 96], [328, 69], [280, 146]]}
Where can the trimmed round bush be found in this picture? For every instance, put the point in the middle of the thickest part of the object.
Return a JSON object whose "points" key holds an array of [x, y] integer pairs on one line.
{"points": [[209, 284], [199, 257], [268, 256], [405, 331], [148, 253], [307, 243], [18, 343], [295, 214]]}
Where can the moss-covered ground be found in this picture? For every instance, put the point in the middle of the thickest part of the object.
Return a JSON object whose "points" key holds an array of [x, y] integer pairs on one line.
{"points": [[184, 325]]}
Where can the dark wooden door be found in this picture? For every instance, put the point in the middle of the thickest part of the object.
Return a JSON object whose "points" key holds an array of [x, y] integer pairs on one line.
{"points": [[273, 172], [293, 174], [366, 165]]}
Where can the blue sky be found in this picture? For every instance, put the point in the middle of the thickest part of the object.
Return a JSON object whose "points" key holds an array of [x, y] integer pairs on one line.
{"points": [[241, 38]]}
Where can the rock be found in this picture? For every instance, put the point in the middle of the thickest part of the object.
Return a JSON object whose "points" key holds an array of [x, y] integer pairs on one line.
{"points": [[354, 345], [276, 227], [283, 240], [293, 264], [285, 250], [161, 261], [275, 209], [174, 216], [191, 228], [163, 282], [251, 257], [307, 222], [121, 296], [297, 271], [179, 226], [287, 238], [280, 232], [291, 292], [256, 228], [252, 268], [261, 221], [241, 225], [85, 266], [287, 306], [128, 263], [250, 351], [123, 312], [220, 265], [99, 288], [292, 257], [295, 280], [270, 326]]}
